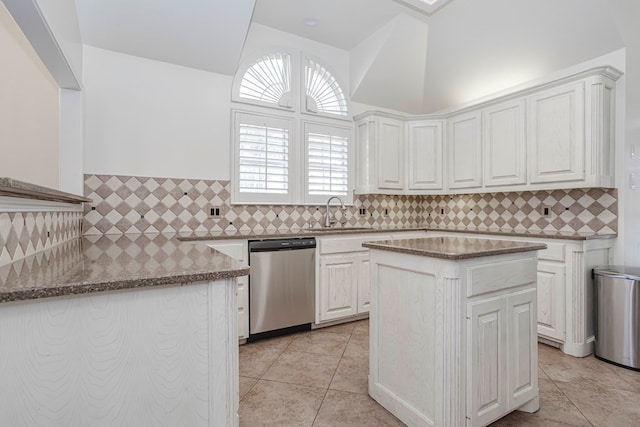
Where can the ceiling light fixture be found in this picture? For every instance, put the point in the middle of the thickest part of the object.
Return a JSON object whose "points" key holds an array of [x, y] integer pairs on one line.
{"points": [[310, 22]]}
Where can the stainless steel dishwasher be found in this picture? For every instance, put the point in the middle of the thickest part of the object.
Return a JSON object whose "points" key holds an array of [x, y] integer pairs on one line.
{"points": [[281, 284]]}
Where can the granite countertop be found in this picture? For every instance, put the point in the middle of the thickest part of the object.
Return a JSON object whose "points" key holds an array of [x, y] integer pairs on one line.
{"points": [[105, 263], [318, 232], [14, 188], [541, 234], [268, 234], [454, 248]]}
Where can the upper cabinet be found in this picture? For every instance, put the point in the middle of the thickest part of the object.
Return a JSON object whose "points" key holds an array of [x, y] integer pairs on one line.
{"points": [[556, 135], [505, 144], [465, 151], [424, 155], [556, 128], [380, 154], [390, 154]]}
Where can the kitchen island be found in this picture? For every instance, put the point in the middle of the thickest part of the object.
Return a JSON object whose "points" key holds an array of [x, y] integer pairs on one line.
{"points": [[120, 330], [453, 329]]}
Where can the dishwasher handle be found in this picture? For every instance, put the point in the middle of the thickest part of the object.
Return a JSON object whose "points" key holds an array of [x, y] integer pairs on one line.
{"points": [[271, 245]]}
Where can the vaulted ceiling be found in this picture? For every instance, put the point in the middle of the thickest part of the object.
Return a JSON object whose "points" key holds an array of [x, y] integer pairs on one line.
{"points": [[400, 57]]}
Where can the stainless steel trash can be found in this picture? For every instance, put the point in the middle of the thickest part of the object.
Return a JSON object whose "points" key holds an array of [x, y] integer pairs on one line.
{"points": [[617, 305]]}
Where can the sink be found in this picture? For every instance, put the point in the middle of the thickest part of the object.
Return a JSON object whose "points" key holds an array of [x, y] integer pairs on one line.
{"points": [[336, 229]]}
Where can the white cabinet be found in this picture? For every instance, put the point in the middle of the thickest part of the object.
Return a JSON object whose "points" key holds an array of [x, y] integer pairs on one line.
{"points": [[238, 250], [424, 155], [565, 288], [504, 143], [390, 156], [551, 300], [487, 332], [338, 287], [364, 283], [467, 330], [380, 154], [465, 151], [343, 275], [556, 134]]}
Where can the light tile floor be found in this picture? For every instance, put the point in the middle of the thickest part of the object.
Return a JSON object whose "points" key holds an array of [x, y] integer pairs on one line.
{"points": [[319, 378]]}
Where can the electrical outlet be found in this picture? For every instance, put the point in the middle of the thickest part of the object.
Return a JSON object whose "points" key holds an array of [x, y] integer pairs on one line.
{"points": [[214, 212], [545, 211], [362, 211], [386, 212]]}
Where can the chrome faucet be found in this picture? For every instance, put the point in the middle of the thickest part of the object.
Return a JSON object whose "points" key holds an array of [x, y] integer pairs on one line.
{"points": [[330, 219]]}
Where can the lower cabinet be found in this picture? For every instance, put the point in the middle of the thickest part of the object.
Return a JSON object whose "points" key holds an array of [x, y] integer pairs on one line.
{"points": [[344, 287], [551, 300], [565, 288], [338, 288], [238, 250], [501, 336], [343, 276]]}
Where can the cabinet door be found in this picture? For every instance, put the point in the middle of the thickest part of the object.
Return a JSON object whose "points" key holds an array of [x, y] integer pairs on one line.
{"points": [[338, 291], [243, 306], [425, 158], [551, 300], [364, 284], [522, 348], [556, 134], [487, 342], [504, 142], [465, 151], [390, 154]]}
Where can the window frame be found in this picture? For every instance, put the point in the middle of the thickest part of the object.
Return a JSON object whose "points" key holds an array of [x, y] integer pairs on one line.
{"points": [[302, 96], [299, 119], [258, 197], [314, 199], [248, 63]]}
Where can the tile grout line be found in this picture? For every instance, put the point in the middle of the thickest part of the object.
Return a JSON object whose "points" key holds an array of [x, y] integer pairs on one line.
{"points": [[332, 377], [569, 399]]}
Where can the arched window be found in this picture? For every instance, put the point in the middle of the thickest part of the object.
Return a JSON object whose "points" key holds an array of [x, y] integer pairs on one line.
{"points": [[323, 93], [268, 80], [300, 152]]}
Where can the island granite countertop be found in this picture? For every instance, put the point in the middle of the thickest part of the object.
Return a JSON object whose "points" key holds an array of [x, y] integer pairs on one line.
{"points": [[112, 262], [454, 248]]}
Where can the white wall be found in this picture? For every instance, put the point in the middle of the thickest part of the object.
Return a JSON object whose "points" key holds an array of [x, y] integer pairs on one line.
{"points": [[627, 250], [28, 110], [151, 118]]}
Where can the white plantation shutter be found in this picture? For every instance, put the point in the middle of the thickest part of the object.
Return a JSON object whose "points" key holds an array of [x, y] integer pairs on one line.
{"points": [[268, 80], [327, 152], [262, 153], [323, 93]]}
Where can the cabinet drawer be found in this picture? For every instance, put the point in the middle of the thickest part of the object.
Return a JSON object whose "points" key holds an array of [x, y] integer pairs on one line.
{"points": [[334, 245], [493, 277], [554, 252]]}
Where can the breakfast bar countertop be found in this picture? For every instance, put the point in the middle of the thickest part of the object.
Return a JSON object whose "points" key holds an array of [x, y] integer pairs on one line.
{"points": [[113, 262], [454, 248]]}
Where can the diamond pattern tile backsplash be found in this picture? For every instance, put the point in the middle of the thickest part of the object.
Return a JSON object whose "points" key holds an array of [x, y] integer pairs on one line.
{"points": [[130, 204], [578, 210], [25, 233]]}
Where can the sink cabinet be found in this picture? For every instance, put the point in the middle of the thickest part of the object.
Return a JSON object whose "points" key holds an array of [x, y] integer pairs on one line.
{"points": [[343, 283]]}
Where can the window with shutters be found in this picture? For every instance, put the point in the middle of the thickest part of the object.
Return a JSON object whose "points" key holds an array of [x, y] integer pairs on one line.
{"points": [[327, 162], [281, 156], [262, 169]]}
